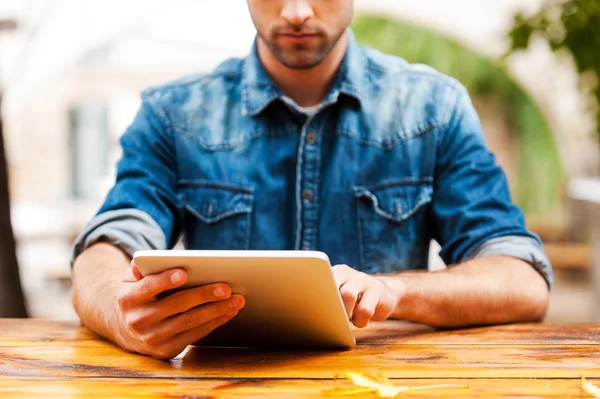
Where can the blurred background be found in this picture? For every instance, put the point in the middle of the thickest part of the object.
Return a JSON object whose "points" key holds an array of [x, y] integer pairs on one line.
{"points": [[71, 72]]}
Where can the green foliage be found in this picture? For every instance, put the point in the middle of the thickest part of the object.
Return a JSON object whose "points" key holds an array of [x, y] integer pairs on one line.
{"points": [[540, 174], [573, 27]]}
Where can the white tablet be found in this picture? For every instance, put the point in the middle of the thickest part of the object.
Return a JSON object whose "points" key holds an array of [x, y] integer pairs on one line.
{"points": [[292, 300]]}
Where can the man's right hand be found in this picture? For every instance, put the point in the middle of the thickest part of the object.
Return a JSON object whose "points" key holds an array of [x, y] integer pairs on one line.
{"points": [[164, 327]]}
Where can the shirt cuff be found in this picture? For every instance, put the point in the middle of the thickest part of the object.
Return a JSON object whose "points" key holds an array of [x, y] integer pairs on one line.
{"points": [[520, 247], [129, 229]]}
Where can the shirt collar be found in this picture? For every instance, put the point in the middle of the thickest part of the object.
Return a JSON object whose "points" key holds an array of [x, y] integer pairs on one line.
{"points": [[258, 90]]}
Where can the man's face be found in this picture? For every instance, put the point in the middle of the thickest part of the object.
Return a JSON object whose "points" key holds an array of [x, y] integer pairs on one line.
{"points": [[300, 33]]}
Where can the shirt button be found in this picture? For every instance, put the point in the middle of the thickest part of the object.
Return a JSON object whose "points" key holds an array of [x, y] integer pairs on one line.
{"points": [[307, 195], [311, 138]]}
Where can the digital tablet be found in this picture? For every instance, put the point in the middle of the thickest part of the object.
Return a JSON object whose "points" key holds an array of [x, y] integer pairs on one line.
{"points": [[292, 300]]}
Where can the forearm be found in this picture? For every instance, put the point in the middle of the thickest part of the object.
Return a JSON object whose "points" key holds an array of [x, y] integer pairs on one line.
{"points": [[490, 290], [97, 278]]}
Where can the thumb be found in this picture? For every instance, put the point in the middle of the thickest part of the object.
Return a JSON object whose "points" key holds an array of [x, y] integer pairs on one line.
{"points": [[132, 274]]}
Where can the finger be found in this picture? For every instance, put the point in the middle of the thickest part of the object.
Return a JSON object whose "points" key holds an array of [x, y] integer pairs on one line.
{"points": [[342, 273], [132, 274], [185, 300], [150, 286], [387, 305], [129, 277], [365, 308], [136, 272], [178, 343], [190, 336], [350, 293], [196, 317]]}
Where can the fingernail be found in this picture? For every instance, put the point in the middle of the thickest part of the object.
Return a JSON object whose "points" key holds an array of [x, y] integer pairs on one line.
{"points": [[176, 278], [235, 303], [219, 292]]}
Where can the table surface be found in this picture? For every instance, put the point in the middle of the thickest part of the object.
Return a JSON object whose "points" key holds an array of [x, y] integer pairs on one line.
{"points": [[62, 359]]}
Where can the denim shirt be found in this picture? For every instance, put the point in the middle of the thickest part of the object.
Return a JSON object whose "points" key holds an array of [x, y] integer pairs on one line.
{"points": [[393, 157]]}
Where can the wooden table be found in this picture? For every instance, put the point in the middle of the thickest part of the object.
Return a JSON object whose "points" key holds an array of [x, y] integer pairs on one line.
{"points": [[61, 359]]}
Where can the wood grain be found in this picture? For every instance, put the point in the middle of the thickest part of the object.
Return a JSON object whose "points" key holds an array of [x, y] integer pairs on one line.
{"points": [[48, 333], [410, 361], [15, 332], [63, 359], [93, 388], [393, 332]]}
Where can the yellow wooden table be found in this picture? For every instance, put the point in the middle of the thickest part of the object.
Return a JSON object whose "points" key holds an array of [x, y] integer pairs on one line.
{"points": [[62, 359]]}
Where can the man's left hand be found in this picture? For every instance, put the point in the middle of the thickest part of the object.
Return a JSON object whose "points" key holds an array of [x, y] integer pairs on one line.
{"points": [[365, 297]]}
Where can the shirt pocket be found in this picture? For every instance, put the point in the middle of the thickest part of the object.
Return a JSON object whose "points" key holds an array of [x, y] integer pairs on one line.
{"points": [[217, 215], [392, 224]]}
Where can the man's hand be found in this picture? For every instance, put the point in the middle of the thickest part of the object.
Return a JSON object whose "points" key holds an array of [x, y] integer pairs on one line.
{"points": [[164, 327], [365, 297]]}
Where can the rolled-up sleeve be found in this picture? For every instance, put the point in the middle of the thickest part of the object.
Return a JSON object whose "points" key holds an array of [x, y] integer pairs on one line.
{"points": [[129, 229], [524, 248]]}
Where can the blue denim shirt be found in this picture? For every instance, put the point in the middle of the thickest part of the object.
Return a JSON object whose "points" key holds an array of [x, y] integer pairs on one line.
{"points": [[393, 157]]}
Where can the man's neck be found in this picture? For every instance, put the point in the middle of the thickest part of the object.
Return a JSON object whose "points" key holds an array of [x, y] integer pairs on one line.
{"points": [[307, 87]]}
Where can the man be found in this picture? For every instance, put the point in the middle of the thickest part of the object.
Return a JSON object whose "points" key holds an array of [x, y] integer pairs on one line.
{"points": [[311, 142]]}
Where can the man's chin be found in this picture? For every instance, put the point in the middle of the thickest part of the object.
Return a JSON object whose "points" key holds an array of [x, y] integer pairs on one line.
{"points": [[300, 62]]}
